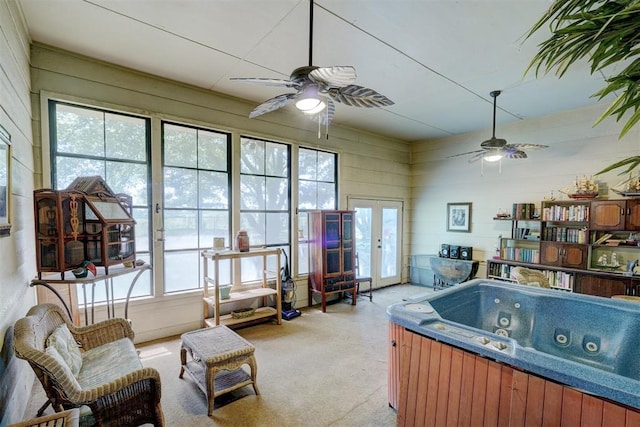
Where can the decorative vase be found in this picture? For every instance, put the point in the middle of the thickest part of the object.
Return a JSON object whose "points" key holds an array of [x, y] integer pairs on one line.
{"points": [[242, 241], [224, 291]]}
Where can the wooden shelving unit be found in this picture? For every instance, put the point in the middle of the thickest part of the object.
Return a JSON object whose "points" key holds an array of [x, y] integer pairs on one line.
{"points": [[211, 286]]}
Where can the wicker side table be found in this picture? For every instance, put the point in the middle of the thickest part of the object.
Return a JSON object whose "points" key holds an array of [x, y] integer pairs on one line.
{"points": [[217, 356]]}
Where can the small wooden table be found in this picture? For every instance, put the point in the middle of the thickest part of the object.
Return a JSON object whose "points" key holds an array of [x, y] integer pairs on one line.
{"points": [[450, 271], [217, 356]]}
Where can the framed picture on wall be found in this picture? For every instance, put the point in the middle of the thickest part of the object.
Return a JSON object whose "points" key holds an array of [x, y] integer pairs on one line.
{"points": [[459, 217]]}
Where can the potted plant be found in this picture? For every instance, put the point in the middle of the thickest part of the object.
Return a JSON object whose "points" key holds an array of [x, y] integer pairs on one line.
{"points": [[605, 33]]}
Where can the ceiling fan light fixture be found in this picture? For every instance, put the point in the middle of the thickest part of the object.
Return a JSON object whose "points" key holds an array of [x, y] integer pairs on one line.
{"points": [[492, 156], [309, 101]]}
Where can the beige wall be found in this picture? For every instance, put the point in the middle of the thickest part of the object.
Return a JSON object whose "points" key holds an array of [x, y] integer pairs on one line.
{"points": [[369, 165], [576, 148], [17, 254]]}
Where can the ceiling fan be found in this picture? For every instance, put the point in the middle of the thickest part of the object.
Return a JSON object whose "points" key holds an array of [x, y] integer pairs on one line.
{"points": [[317, 88], [495, 149]]}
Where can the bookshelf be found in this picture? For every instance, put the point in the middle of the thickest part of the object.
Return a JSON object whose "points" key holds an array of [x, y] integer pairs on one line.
{"points": [[584, 246]]}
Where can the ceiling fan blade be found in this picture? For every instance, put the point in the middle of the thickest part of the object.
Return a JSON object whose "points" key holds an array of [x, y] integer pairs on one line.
{"points": [[267, 82], [464, 154], [526, 146], [477, 157], [513, 153], [333, 77], [325, 116], [273, 104], [358, 96]]}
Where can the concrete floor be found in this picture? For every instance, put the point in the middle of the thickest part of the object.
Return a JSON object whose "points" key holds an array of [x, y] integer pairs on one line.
{"points": [[319, 369]]}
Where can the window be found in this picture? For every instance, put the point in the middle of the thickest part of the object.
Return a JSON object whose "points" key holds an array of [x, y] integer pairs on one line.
{"points": [[264, 198], [197, 195], [317, 189], [89, 142]]}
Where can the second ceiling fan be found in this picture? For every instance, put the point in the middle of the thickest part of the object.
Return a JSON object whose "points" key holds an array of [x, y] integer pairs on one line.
{"points": [[317, 88], [495, 149]]}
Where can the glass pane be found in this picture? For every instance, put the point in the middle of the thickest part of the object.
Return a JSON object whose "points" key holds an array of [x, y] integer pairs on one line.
{"points": [[326, 167], [79, 131], [307, 164], [142, 286], [180, 188], [326, 196], [141, 215], [277, 194], [388, 262], [303, 258], [254, 224], [181, 229], [213, 190], [180, 146], [251, 269], [277, 228], [333, 261], [307, 191], [214, 224], [181, 271], [251, 156], [212, 150], [253, 192], [224, 274], [130, 179], [68, 169], [125, 137], [363, 239], [277, 156]]}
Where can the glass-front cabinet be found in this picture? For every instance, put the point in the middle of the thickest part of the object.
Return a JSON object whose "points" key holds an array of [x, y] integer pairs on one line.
{"points": [[331, 254], [73, 226]]}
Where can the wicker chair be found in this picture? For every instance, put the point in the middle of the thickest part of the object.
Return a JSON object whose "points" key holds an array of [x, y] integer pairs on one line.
{"points": [[116, 388]]}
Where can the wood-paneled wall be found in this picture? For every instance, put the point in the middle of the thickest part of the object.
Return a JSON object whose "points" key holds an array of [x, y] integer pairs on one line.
{"points": [[441, 385], [17, 251]]}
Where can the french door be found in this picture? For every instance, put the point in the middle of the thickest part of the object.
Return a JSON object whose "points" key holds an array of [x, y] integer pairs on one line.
{"points": [[378, 228]]}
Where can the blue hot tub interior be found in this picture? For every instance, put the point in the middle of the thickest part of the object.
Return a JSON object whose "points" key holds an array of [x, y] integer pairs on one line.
{"points": [[592, 331]]}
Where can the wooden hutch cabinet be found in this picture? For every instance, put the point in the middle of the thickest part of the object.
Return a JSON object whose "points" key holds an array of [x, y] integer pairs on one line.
{"points": [[85, 222], [331, 254], [563, 254], [603, 286], [588, 246], [564, 233], [615, 215]]}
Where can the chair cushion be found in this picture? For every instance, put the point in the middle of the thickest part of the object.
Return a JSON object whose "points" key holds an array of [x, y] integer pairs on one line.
{"points": [[67, 348], [106, 363]]}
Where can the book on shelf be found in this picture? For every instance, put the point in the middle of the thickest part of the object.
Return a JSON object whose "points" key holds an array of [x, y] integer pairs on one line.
{"points": [[603, 239], [523, 210]]}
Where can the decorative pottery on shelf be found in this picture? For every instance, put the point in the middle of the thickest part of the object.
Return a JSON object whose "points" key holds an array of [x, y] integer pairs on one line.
{"points": [[243, 313], [224, 291], [242, 241], [582, 188]]}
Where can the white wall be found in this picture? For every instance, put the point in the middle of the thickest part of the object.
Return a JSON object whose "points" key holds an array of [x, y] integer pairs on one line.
{"points": [[17, 254], [369, 165], [576, 148]]}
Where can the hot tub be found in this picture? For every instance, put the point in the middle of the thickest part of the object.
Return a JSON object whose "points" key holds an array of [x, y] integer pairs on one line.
{"points": [[586, 342]]}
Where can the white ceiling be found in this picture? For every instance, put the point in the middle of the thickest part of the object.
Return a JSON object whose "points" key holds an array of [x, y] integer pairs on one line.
{"points": [[436, 59]]}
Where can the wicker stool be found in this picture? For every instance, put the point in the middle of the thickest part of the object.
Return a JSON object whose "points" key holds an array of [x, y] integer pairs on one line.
{"points": [[217, 356]]}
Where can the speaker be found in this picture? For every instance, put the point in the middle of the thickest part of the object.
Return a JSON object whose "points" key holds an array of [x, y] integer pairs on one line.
{"points": [[454, 252], [466, 252], [444, 251]]}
